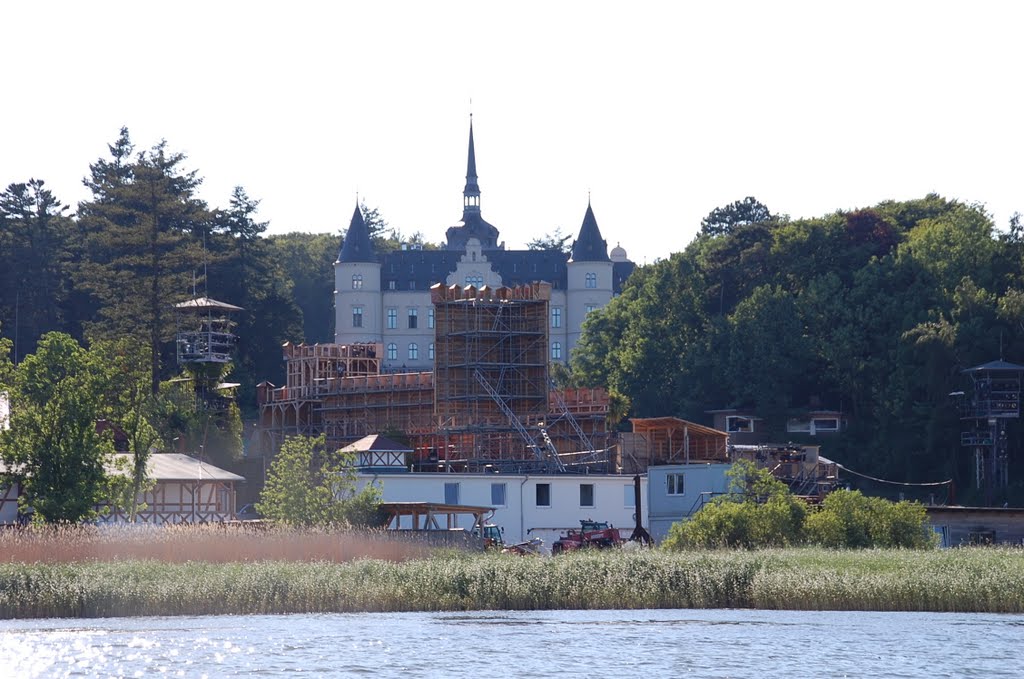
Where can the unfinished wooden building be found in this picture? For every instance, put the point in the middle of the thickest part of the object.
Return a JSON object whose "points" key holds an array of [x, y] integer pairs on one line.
{"points": [[489, 404]]}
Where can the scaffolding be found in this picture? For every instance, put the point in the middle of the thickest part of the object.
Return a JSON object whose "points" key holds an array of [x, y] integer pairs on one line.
{"points": [[994, 399], [312, 372], [204, 331], [488, 406]]}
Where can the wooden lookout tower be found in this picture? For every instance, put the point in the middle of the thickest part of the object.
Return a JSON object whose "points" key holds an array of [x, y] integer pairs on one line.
{"points": [[204, 331], [994, 398]]}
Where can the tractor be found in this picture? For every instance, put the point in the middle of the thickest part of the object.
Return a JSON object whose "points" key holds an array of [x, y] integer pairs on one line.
{"points": [[592, 534]]}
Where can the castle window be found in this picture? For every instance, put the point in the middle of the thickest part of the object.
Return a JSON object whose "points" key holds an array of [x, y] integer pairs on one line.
{"points": [[591, 307], [430, 318], [414, 351], [392, 318], [357, 317], [391, 285], [412, 285], [556, 351], [357, 281], [591, 280], [430, 351], [475, 279], [392, 352], [412, 318], [556, 317]]}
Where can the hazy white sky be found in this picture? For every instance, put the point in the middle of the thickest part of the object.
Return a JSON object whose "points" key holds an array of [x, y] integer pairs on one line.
{"points": [[663, 111]]}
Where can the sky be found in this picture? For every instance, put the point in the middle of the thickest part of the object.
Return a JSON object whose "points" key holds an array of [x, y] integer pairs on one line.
{"points": [[659, 112]]}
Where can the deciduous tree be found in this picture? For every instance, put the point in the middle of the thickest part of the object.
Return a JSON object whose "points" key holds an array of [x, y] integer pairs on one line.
{"points": [[310, 486]]}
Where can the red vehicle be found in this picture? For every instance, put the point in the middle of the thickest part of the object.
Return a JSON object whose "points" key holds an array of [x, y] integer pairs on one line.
{"points": [[593, 534]]}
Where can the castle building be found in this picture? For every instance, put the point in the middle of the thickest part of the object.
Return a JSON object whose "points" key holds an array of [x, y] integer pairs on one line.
{"points": [[385, 297]]}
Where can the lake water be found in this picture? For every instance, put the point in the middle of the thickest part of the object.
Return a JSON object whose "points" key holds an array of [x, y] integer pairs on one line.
{"points": [[650, 643]]}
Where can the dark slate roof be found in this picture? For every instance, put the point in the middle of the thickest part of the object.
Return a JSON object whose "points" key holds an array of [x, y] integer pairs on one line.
{"points": [[620, 274], [518, 267], [472, 226], [357, 246], [416, 269], [419, 269], [589, 246], [999, 365]]}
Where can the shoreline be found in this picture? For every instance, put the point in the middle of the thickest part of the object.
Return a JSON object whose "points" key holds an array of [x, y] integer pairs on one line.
{"points": [[983, 580]]}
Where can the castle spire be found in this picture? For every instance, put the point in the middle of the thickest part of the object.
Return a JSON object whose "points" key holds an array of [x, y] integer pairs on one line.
{"points": [[471, 194], [589, 246], [357, 246]]}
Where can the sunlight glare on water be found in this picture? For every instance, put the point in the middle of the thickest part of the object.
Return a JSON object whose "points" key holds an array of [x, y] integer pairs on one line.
{"points": [[654, 643]]}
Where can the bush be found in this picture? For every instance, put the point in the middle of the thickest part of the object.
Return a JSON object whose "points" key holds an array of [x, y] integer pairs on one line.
{"points": [[759, 512], [849, 519]]}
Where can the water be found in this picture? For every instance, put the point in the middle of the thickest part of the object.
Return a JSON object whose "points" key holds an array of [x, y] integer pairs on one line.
{"points": [[650, 643]]}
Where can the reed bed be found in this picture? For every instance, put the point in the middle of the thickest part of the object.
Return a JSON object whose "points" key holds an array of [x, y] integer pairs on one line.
{"points": [[213, 543], [981, 580]]}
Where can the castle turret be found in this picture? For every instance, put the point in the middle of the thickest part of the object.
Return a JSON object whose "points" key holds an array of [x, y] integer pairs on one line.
{"points": [[590, 281], [357, 290]]}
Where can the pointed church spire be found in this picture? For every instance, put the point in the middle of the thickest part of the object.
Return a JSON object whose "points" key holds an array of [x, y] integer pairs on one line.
{"points": [[471, 194], [357, 246], [589, 246]]}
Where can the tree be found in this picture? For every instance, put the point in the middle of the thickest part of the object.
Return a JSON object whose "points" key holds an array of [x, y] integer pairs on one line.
{"points": [[53, 446], [35, 255], [722, 221], [307, 261], [848, 519], [310, 486], [143, 228], [555, 240], [128, 403], [244, 271], [758, 511]]}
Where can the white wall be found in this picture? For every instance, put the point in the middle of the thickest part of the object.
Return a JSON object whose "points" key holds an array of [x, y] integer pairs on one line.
{"points": [[520, 517]]}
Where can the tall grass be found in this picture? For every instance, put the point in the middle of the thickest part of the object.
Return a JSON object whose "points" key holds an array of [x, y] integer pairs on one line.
{"points": [[214, 543], [989, 580]]}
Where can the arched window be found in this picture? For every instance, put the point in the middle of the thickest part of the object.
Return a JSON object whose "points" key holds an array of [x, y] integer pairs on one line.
{"points": [[392, 352], [414, 351], [556, 351], [430, 351], [475, 279], [591, 280], [357, 281]]}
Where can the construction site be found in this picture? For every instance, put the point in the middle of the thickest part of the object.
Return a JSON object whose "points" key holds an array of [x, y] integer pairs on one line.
{"points": [[488, 405]]}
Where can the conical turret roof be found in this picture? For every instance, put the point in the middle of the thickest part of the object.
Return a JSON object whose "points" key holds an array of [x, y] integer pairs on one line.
{"points": [[589, 246], [357, 246]]}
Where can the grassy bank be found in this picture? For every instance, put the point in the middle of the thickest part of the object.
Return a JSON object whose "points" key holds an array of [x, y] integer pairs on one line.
{"points": [[984, 580]]}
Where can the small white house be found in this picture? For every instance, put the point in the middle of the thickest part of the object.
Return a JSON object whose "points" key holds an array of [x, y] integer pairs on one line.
{"points": [[525, 505]]}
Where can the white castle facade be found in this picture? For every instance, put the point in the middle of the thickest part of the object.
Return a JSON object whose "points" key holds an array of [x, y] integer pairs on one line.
{"points": [[385, 297]]}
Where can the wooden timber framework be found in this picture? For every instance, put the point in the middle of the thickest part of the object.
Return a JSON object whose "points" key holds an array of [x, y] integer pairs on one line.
{"points": [[488, 405]]}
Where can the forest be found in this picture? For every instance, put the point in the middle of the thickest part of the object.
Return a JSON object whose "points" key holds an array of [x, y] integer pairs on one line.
{"points": [[873, 312], [114, 266]]}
